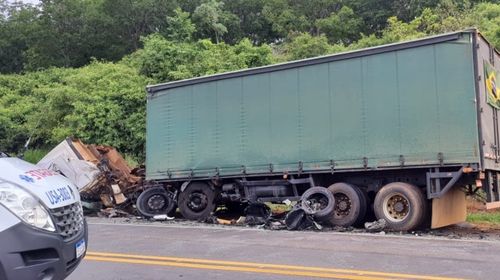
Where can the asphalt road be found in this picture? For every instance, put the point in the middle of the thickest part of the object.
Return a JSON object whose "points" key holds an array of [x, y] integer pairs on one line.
{"points": [[159, 251]]}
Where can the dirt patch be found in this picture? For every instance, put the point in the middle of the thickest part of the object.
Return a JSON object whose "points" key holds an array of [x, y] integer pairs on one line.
{"points": [[487, 227], [468, 231]]}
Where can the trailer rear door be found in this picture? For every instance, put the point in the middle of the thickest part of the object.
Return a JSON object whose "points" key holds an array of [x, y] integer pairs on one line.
{"points": [[488, 95], [488, 70]]}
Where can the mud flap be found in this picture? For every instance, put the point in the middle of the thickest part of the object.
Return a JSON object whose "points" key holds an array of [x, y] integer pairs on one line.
{"points": [[450, 209]]}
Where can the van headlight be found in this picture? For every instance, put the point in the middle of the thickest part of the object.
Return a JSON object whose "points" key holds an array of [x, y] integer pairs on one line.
{"points": [[25, 206]]}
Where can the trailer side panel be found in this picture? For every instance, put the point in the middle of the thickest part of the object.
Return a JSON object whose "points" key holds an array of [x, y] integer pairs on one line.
{"points": [[410, 106]]}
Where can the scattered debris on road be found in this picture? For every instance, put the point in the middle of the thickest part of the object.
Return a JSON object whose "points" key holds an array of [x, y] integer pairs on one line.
{"points": [[163, 217], [110, 188], [376, 226], [113, 213], [297, 219], [257, 214]]}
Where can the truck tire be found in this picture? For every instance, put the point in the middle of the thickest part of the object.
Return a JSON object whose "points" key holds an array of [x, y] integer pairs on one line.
{"points": [[318, 202], [401, 205], [350, 205], [363, 215], [197, 201], [155, 201]]}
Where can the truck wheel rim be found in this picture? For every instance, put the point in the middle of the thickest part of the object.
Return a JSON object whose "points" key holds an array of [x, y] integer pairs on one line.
{"points": [[317, 202], [396, 207], [156, 202], [198, 201], [342, 204]]}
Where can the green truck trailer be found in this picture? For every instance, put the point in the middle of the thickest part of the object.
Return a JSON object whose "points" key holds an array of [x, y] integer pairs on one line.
{"points": [[405, 130]]}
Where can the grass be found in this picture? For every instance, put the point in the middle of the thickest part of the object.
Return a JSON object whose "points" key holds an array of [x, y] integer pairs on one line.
{"points": [[485, 217], [34, 155]]}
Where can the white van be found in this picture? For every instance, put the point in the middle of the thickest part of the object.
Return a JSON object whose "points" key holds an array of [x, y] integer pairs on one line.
{"points": [[43, 234]]}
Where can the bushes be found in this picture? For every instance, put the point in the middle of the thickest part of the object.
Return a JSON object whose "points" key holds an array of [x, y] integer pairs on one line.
{"points": [[103, 102], [165, 60], [99, 103]]}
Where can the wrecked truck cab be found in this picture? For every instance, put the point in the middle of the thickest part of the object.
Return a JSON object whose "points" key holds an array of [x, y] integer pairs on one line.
{"points": [[43, 234]]}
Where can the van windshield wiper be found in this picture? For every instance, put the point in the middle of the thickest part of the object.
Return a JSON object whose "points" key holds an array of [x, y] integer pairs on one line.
{"points": [[2, 155]]}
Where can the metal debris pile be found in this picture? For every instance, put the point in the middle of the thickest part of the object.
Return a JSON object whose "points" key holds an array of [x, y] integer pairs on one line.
{"points": [[109, 187], [101, 174]]}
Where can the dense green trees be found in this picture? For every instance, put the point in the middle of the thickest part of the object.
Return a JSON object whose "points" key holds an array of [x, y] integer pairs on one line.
{"points": [[101, 102], [165, 60], [105, 102], [79, 67], [70, 33]]}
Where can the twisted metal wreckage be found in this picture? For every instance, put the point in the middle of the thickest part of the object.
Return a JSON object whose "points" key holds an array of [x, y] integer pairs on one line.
{"points": [[100, 172], [108, 184]]}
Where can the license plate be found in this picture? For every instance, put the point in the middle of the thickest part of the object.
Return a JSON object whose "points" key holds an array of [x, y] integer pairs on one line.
{"points": [[80, 248]]}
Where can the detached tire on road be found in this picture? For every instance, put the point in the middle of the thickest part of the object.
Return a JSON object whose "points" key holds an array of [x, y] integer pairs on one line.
{"points": [[155, 201], [350, 205], [401, 205], [318, 202], [197, 201]]}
